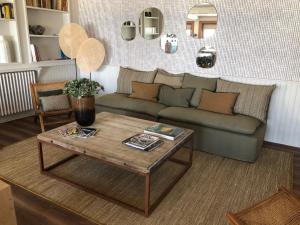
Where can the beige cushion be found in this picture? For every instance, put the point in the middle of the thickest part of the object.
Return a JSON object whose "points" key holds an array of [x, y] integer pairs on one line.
{"points": [[55, 103], [253, 99], [173, 80], [218, 102], [145, 91], [127, 75]]}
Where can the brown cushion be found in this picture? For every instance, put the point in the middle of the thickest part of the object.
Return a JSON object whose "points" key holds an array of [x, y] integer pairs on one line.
{"points": [[55, 103], [218, 102], [145, 91], [173, 80]]}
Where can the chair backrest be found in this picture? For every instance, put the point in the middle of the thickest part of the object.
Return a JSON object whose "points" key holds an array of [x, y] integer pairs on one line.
{"points": [[39, 87]]}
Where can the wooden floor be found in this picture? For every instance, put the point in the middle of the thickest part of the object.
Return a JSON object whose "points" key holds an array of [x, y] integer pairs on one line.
{"points": [[33, 210]]}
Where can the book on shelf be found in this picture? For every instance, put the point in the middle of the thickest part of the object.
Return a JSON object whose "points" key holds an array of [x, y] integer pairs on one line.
{"points": [[35, 53], [46, 4], [36, 3], [164, 131], [144, 142], [29, 2], [6, 11], [62, 5], [78, 132]]}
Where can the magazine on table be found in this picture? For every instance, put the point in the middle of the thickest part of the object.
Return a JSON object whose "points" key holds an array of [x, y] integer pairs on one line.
{"points": [[144, 142], [80, 132], [164, 131]]}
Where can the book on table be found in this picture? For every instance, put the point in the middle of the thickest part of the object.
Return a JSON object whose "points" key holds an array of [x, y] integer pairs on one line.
{"points": [[164, 131], [144, 142]]}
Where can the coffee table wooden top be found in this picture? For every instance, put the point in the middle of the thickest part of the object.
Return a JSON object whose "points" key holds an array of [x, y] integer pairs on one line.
{"points": [[107, 144]]}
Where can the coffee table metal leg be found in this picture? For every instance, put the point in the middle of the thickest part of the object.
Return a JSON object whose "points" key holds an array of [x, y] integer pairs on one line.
{"points": [[147, 194]]}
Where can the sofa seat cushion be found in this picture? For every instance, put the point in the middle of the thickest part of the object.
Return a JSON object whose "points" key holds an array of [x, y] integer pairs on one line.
{"points": [[122, 101], [233, 123]]}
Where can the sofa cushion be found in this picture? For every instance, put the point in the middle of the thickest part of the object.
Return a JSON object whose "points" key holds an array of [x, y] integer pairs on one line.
{"points": [[122, 101], [218, 102], [145, 91], [253, 99], [237, 123], [179, 97], [127, 75], [199, 83], [174, 80]]}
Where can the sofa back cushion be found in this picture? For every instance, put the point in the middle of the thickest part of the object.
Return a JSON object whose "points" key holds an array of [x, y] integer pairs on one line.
{"points": [[127, 75], [176, 97], [218, 102], [253, 99], [173, 80], [145, 91], [199, 83]]}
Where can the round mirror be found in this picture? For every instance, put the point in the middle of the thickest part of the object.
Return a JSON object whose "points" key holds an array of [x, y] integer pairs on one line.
{"points": [[128, 31], [151, 23], [169, 43], [207, 57], [202, 21]]}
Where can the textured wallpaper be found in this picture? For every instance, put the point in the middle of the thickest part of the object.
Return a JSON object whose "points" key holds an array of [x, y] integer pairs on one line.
{"points": [[254, 38]]}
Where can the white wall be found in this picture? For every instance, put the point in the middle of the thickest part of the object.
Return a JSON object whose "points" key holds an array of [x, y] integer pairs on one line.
{"points": [[257, 41]]}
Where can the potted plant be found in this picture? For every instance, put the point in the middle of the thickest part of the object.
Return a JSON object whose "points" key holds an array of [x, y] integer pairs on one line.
{"points": [[82, 93]]}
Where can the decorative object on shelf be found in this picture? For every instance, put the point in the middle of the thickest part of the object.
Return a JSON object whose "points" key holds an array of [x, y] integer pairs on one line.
{"points": [[202, 21], [128, 31], [151, 23], [37, 29], [5, 54], [83, 92], [6, 11], [169, 43], [207, 57], [35, 53]]}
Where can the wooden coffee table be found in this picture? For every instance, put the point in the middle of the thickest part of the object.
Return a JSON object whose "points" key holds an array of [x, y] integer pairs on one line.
{"points": [[107, 147]]}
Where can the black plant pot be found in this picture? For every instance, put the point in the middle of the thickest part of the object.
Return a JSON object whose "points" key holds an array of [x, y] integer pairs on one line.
{"points": [[84, 109]]}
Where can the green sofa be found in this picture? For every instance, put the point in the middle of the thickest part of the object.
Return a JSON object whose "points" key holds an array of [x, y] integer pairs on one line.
{"points": [[233, 136]]}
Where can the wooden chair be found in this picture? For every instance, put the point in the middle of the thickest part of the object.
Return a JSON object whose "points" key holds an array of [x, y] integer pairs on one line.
{"points": [[35, 89], [283, 208]]}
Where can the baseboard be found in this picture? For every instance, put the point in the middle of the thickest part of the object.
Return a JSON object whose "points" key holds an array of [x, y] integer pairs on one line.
{"points": [[16, 116], [281, 147]]}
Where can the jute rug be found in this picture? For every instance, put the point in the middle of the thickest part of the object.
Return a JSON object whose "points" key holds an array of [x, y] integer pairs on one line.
{"points": [[213, 186]]}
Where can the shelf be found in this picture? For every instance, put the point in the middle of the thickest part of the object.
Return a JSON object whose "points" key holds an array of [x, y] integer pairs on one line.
{"points": [[42, 36], [51, 63], [46, 9], [152, 18], [7, 20]]}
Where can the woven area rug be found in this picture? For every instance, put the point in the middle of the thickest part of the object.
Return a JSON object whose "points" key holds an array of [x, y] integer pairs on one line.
{"points": [[213, 186]]}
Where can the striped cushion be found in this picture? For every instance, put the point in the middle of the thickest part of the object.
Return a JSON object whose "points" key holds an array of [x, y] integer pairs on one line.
{"points": [[127, 75], [173, 80], [253, 99]]}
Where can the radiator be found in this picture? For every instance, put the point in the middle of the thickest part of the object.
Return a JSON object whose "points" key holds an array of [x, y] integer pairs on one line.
{"points": [[15, 96]]}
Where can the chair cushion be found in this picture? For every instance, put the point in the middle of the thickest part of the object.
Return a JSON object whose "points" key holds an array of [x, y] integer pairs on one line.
{"points": [[218, 102], [199, 83], [127, 75], [253, 99], [178, 97], [55, 103], [236, 123], [174, 80], [145, 91], [122, 101]]}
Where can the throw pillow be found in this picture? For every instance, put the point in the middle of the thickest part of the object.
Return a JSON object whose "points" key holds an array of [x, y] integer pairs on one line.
{"points": [[145, 91], [127, 75], [176, 97], [199, 83], [173, 80], [253, 99], [55, 102], [218, 102]]}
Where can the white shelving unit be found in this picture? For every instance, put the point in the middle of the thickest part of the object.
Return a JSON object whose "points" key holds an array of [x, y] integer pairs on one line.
{"points": [[9, 29], [17, 31]]}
